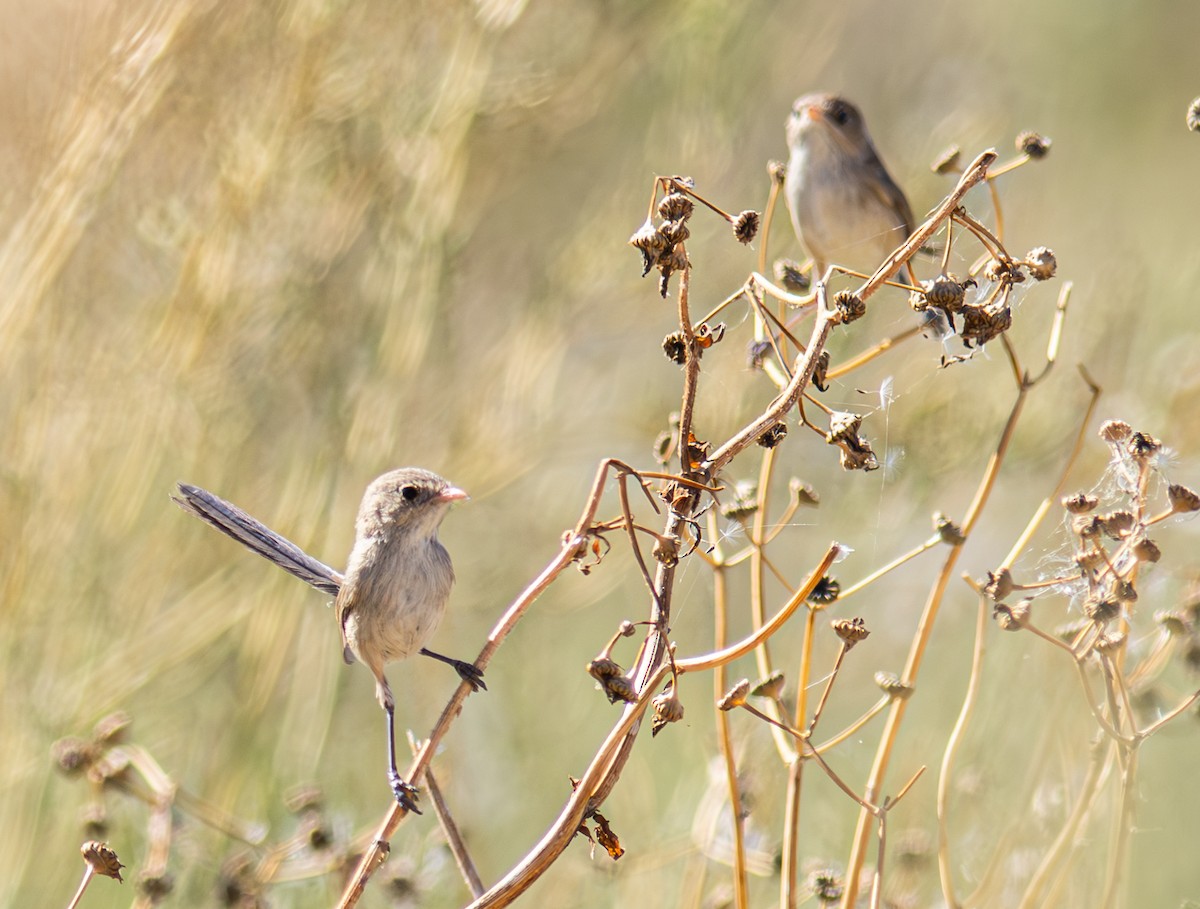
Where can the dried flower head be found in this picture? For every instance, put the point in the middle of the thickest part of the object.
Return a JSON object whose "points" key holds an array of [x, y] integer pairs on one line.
{"points": [[676, 206], [666, 551], [788, 272], [1176, 624], [777, 171], [1193, 115], [651, 243], [745, 226], [825, 592], [949, 532], [1080, 503], [1102, 609], [1042, 263], [667, 709], [893, 685], [1117, 525], [1110, 642], [1146, 550], [619, 688], [744, 502], [849, 306], [945, 292], [1086, 526], [981, 324], [1034, 145], [773, 435], [603, 668], [821, 372], [851, 631], [735, 696], [674, 346], [999, 584], [826, 885], [770, 687], [1011, 618], [1142, 446], [1114, 431], [1182, 499], [948, 161], [101, 858]]}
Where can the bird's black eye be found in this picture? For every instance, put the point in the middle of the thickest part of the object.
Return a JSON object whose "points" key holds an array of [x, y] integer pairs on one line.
{"points": [[840, 114], [409, 493]]}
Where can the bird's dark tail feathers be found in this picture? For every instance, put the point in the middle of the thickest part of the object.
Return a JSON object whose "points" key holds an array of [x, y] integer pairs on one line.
{"points": [[232, 521]]}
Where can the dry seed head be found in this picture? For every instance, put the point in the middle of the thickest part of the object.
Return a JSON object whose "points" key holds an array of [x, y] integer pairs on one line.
{"points": [[1086, 526], [1089, 558], [1042, 263], [826, 885], [777, 171], [674, 232], [981, 325], [1102, 610], [736, 696], [666, 551], [1011, 618], [1182, 499], [947, 161], [102, 859], [1118, 525], [1080, 503], [1034, 145], [1146, 550], [667, 709], [745, 501], [851, 631], [1115, 431], [745, 226], [603, 668], [1143, 446], [676, 207], [1193, 115], [999, 585], [842, 426], [1122, 589], [893, 685], [825, 592], [652, 244], [949, 532], [770, 687], [849, 306], [1175, 624], [675, 347], [944, 292], [772, 435], [619, 688], [788, 273], [821, 372], [73, 755], [155, 887]]}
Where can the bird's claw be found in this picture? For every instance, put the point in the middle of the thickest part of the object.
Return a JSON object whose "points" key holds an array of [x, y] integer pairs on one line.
{"points": [[471, 674], [405, 793]]}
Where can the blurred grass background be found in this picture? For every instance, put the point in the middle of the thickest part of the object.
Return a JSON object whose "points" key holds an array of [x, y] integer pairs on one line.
{"points": [[276, 249]]}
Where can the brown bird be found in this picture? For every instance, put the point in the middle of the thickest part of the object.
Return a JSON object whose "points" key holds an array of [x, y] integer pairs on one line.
{"points": [[845, 206], [397, 581]]}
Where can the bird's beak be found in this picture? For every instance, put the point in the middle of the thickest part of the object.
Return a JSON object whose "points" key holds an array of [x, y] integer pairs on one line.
{"points": [[452, 494]]}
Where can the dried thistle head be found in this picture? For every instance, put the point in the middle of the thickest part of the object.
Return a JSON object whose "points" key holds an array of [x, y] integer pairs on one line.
{"points": [[851, 631], [999, 584], [893, 685], [789, 273], [772, 435], [849, 306], [1193, 115], [1033, 144], [735, 696], [667, 709], [948, 531], [1011, 618], [1042, 263], [745, 226], [826, 591], [770, 687], [1080, 503], [676, 206], [804, 493], [1115, 431], [1183, 500], [101, 858]]}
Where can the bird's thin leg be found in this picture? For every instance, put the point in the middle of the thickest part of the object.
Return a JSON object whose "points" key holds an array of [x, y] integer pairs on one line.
{"points": [[405, 792], [468, 672]]}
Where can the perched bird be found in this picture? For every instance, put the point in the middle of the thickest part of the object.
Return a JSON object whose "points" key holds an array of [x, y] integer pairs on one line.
{"points": [[845, 206], [397, 580]]}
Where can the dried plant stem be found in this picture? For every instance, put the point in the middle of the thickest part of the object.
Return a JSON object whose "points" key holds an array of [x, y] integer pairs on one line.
{"points": [[88, 873], [741, 890], [1053, 862], [454, 838], [890, 566], [916, 654], [1122, 831], [945, 871]]}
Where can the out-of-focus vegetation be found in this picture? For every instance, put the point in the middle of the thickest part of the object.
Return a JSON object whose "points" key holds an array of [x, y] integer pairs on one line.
{"points": [[277, 249]]}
